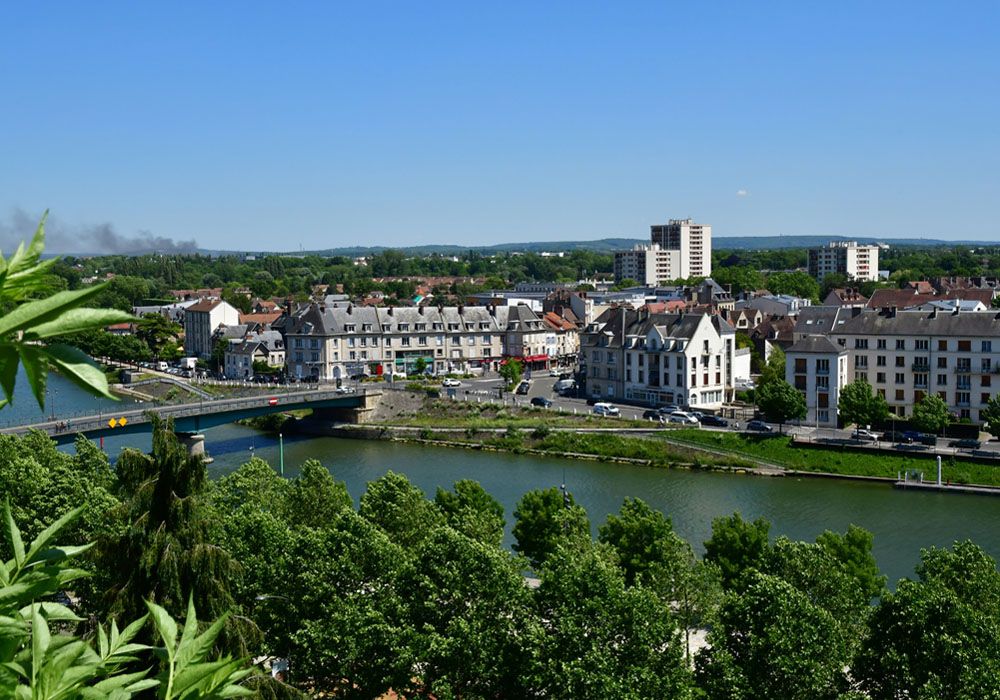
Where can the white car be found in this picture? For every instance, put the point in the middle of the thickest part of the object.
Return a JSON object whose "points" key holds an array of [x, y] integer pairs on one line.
{"points": [[451, 382], [866, 435], [606, 409], [683, 417], [554, 373]]}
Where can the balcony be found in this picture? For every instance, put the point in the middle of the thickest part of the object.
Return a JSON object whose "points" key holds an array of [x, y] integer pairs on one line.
{"points": [[963, 369], [921, 367]]}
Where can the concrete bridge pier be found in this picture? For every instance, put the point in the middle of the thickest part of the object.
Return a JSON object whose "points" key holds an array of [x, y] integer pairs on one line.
{"points": [[195, 444]]}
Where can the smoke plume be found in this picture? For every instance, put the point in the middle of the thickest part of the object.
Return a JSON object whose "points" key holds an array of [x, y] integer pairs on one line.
{"points": [[101, 239]]}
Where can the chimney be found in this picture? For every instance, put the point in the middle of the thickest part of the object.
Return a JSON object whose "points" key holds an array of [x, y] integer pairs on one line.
{"points": [[934, 312], [389, 311], [350, 309], [958, 308], [461, 309], [420, 310]]}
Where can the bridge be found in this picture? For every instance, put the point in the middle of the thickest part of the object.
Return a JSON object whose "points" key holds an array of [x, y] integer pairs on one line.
{"points": [[191, 418]]}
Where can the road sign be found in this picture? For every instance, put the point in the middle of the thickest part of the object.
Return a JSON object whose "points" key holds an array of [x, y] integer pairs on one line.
{"points": [[112, 423], [118, 422], [122, 421], [272, 402]]}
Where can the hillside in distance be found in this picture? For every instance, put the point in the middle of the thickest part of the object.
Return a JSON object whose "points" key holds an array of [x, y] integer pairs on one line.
{"points": [[607, 245]]}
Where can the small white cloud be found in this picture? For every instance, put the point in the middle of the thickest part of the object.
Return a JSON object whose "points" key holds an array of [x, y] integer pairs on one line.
{"points": [[742, 193]]}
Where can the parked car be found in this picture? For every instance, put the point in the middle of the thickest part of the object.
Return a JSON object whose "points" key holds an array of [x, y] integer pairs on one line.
{"points": [[524, 387], [714, 420], [965, 444], [897, 436], [759, 426], [605, 409], [346, 390], [922, 438], [541, 401], [651, 414], [553, 373], [449, 381], [668, 409], [683, 417], [865, 435]]}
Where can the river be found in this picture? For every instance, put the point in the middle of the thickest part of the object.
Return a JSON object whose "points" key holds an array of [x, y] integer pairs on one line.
{"points": [[903, 522]]}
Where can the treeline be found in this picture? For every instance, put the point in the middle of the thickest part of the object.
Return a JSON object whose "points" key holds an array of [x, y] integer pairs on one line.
{"points": [[420, 596]]}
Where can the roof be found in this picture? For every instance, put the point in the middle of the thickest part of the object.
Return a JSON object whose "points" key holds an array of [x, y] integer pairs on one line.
{"points": [[962, 325], [265, 319], [617, 324], [820, 319], [816, 344], [905, 298], [205, 305]]}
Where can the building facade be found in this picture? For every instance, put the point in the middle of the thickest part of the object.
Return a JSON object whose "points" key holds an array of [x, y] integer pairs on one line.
{"points": [[858, 262], [818, 368], [201, 320], [678, 249], [659, 359]]}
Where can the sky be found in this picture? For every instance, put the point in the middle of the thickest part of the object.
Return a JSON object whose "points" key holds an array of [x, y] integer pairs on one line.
{"points": [[310, 125]]}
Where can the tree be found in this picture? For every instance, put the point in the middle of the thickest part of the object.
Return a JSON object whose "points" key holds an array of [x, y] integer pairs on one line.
{"points": [[163, 552], [400, 509], [737, 547], [740, 278], [420, 365], [690, 587], [774, 369], [472, 611], [157, 331], [642, 538], [29, 325], [626, 283], [600, 638], [511, 370], [472, 511], [938, 636], [931, 414], [859, 405], [853, 553], [781, 402], [544, 519], [796, 283], [990, 416], [773, 641], [834, 280], [316, 497]]}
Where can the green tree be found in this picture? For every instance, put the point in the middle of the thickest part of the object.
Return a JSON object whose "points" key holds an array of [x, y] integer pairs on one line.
{"points": [[316, 497], [472, 611], [834, 280], [737, 546], [859, 405], [774, 369], [690, 588], [796, 283], [931, 414], [853, 553], [511, 371], [990, 415], [642, 538], [157, 331], [772, 641], [472, 511], [400, 509], [164, 552], [938, 636], [600, 638], [780, 402], [30, 325], [420, 365], [544, 519]]}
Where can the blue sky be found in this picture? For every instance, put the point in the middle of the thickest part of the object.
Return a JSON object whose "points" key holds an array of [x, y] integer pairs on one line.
{"points": [[271, 126]]}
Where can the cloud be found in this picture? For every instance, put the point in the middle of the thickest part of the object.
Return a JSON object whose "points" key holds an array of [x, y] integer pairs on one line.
{"points": [[742, 193], [85, 239]]}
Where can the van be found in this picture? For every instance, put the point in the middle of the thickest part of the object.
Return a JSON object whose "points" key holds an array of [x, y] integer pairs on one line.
{"points": [[605, 409], [162, 366], [564, 385]]}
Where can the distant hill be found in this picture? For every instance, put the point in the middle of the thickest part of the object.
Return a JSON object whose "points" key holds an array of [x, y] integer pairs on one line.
{"points": [[606, 245]]}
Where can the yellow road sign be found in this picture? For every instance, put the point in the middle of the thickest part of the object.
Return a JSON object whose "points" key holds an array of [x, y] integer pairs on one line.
{"points": [[122, 421], [112, 423]]}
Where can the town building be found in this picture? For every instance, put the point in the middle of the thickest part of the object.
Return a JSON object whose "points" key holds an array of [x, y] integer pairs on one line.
{"points": [[847, 297], [678, 249], [858, 262], [658, 359], [818, 368], [201, 320], [267, 347]]}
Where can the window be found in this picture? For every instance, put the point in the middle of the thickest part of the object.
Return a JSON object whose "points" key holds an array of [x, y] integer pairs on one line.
{"points": [[987, 346], [823, 415], [406, 342], [861, 376], [942, 380], [880, 361], [822, 366], [641, 376], [985, 381], [880, 344], [422, 340], [899, 394], [965, 346], [880, 378], [942, 362], [961, 398], [900, 360], [922, 344], [628, 359], [987, 365], [628, 375], [861, 361], [900, 344], [943, 345], [800, 382], [861, 343], [611, 356], [800, 365], [900, 378], [823, 383], [823, 400], [920, 380], [984, 397]]}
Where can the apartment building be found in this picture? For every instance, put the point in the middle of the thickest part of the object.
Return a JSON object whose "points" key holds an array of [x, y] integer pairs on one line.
{"points": [[657, 359], [331, 343], [858, 262], [678, 249], [818, 368], [202, 320]]}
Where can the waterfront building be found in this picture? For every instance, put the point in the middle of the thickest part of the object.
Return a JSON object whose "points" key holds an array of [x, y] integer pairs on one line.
{"points": [[858, 262], [818, 368], [202, 320], [657, 359]]}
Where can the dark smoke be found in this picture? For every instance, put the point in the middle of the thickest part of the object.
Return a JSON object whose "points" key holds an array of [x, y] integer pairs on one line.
{"points": [[101, 239]]}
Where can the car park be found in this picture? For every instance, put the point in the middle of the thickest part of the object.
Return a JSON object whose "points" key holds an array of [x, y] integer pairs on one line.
{"points": [[759, 426], [683, 417], [605, 409], [541, 401], [449, 381], [965, 444], [716, 421], [865, 435]]}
